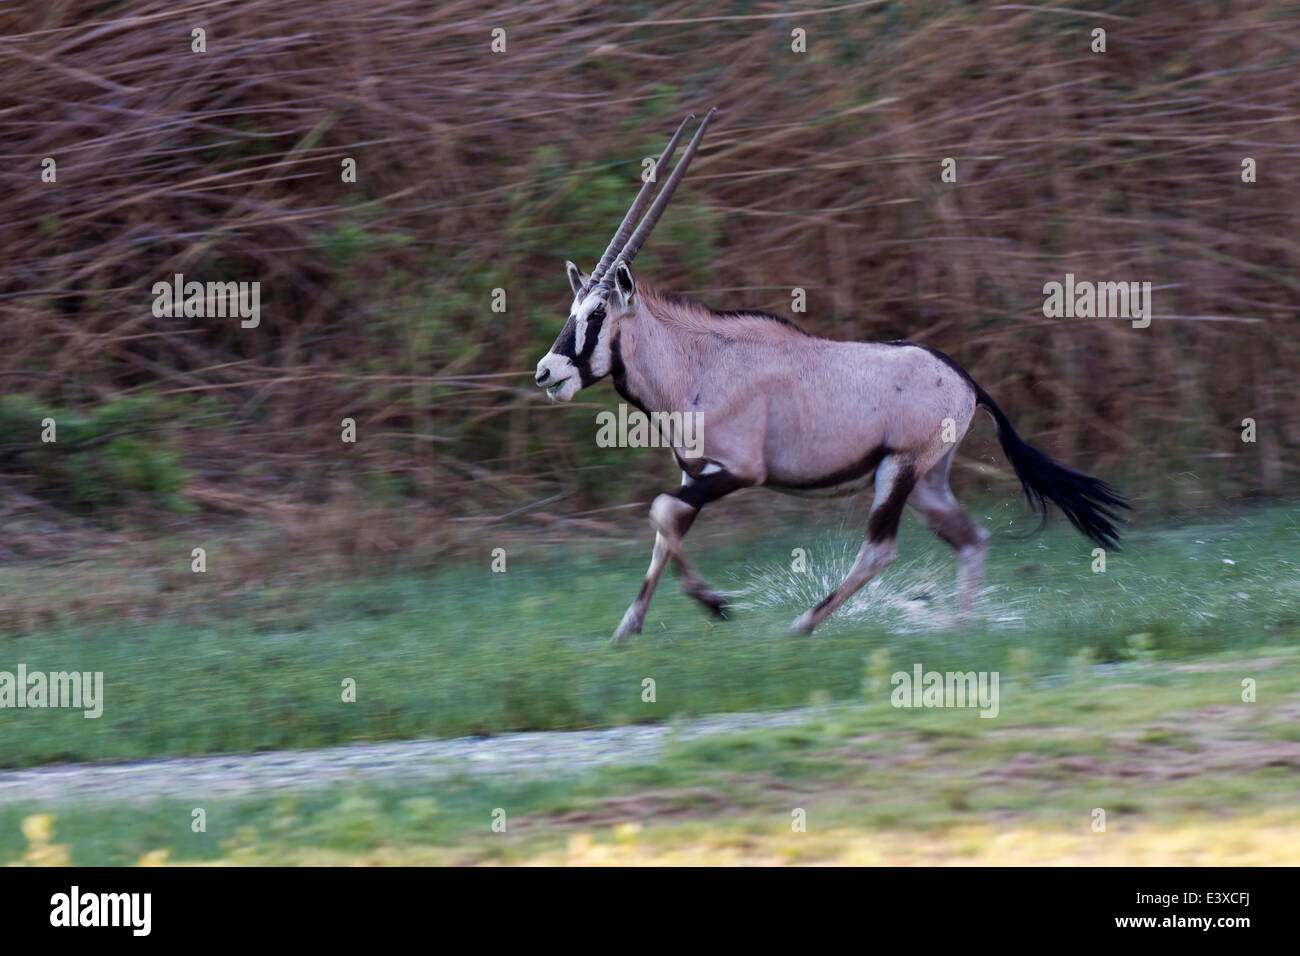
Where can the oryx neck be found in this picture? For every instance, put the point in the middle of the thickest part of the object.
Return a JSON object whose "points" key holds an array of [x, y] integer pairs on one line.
{"points": [[655, 360]]}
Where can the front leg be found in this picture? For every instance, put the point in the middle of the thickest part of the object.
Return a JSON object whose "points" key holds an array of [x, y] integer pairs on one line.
{"points": [[634, 617], [671, 515]]}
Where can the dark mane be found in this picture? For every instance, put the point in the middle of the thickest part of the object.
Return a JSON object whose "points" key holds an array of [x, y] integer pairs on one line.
{"points": [[681, 300]]}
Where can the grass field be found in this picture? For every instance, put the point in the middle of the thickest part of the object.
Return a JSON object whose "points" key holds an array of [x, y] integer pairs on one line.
{"points": [[1120, 690], [1186, 772], [469, 651]]}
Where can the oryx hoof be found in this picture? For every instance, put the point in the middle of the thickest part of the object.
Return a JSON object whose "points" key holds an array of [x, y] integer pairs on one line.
{"points": [[804, 624], [717, 603], [631, 624]]}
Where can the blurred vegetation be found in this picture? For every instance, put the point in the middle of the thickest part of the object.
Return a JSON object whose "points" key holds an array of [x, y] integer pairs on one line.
{"points": [[96, 459], [478, 171]]}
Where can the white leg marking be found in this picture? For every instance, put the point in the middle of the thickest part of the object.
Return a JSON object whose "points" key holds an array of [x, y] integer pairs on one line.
{"points": [[634, 617]]}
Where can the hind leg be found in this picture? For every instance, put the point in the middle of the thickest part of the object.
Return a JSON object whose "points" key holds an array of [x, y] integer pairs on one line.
{"points": [[934, 501], [894, 481]]}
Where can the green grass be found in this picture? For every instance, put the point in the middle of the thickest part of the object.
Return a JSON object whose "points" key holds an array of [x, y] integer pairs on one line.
{"points": [[878, 784], [468, 651]]}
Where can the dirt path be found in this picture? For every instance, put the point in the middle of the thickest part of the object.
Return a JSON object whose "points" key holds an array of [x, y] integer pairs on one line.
{"points": [[233, 775]]}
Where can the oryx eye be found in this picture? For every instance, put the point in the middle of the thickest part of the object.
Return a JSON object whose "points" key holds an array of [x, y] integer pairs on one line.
{"points": [[598, 313]]}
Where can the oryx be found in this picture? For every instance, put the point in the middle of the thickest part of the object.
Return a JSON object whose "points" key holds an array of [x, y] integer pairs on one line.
{"points": [[793, 412]]}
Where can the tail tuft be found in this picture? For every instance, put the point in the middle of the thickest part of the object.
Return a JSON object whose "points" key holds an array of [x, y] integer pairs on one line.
{"points": [[1092, 506]]}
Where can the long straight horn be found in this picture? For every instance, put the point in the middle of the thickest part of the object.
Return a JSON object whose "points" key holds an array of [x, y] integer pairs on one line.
{"points": [[661, 200], [638, 205]]}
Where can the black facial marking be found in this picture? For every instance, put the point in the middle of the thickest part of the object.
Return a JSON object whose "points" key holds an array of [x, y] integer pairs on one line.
{"points": [[583, 360], [564, 343], [567, 344]]}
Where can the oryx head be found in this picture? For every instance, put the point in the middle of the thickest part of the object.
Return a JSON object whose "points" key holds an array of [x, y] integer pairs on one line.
{"points": [[581, 354]]}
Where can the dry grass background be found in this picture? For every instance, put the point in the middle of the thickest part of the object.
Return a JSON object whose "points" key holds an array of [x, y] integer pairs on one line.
{"points": [[478, 170]]}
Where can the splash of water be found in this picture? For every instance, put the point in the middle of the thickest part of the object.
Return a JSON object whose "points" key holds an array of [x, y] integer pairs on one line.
{"points": [[911, 595]]}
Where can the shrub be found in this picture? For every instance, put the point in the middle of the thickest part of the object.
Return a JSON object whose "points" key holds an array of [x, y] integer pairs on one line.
{"points": [[100, 458]]}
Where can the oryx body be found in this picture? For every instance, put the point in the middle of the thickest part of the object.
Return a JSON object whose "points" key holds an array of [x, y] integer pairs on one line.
{"points": [[792, 412]]}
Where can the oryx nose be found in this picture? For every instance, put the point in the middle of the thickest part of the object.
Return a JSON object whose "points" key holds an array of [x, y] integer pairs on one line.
{"points": [[542, 375]]}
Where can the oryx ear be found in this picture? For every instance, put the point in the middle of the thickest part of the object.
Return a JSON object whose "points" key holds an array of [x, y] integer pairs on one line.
{"points": [[576, 279], [623, 282]]}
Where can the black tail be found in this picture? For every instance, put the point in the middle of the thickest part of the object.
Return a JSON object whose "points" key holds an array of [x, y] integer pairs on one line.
{"points": [[1091, 505]]}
